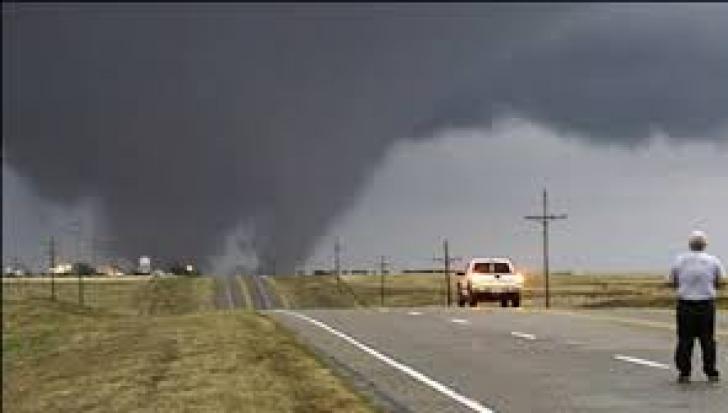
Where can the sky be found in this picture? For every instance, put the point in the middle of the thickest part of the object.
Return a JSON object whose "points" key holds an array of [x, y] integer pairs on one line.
{"points": [[248, 137], [627, 210]]}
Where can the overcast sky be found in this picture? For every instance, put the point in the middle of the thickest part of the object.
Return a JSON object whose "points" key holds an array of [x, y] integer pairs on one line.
{"points": [[628, 209], [252, 135]]}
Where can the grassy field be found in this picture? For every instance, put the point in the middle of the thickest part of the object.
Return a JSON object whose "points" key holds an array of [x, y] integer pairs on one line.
{"points": [[314, 292], [155, 346], [589, 290], [121, 295], [158, 345]]}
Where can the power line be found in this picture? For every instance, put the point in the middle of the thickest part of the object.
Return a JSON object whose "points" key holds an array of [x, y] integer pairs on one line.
{"points": [[544, 219]]}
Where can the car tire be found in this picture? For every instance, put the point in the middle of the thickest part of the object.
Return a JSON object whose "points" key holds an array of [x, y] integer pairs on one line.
{"points": [[462, 300], [473, 302], [516, 300], [504, 302]]}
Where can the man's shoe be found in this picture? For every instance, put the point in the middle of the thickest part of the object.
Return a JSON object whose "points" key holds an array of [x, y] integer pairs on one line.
{"points": [[713, 375], [683, 379]]}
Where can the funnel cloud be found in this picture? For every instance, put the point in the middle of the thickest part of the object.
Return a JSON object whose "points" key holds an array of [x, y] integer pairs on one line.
{"points": [[189, 124]]}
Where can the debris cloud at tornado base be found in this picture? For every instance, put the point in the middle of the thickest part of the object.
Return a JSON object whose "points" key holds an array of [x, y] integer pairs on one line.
{"points": [[189, 124]]}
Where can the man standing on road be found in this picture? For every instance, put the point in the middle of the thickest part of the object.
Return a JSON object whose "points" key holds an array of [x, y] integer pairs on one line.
{"points": [[696, 275]]}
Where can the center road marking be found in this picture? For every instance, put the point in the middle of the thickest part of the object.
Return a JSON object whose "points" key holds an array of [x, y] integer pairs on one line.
{"points": [[414, 313], [642, 362], [472, 404], [523, 335], [460, 321]]}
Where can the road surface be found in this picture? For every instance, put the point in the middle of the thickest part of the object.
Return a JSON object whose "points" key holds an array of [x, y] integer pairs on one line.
{"points": [[227, 293], [511, 360], [245, 291]]}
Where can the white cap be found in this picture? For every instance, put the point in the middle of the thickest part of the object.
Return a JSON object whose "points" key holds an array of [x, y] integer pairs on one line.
{"points": [[698, 236]]}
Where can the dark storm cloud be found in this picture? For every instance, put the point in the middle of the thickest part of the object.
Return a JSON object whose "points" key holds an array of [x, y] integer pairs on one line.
{"points": [[185, 121], [612, 74]]}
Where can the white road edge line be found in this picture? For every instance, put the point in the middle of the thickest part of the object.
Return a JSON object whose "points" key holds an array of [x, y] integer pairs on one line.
{"points": [[460, 321], [642, 361], [523, 335], [472, 404]]}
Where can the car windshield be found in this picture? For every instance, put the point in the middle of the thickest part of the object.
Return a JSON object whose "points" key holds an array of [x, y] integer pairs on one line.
{"points": [[491, 268]]}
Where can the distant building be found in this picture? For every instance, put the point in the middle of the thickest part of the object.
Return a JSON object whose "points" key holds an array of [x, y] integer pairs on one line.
{"points": [[425, 271], [323, 272], [110, 270], [145, 265], [15, 271], [62, 269], [361, 272]]}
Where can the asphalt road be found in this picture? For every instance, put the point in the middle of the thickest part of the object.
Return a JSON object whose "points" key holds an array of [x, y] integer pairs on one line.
{"points": [[245, 291], [227, 293], [258, 292], [511, 360]]}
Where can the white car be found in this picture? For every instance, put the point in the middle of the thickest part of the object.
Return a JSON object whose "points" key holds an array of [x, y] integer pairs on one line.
{"points": [[490, 279]]}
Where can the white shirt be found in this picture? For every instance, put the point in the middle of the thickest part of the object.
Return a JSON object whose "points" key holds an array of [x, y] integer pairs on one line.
{"points": [[696, 275]]}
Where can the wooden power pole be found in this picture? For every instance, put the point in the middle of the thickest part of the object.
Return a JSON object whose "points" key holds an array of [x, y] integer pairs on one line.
{"points": [[382, 271], [52, 264], [544, 219], [447, 259], [337, 260]]}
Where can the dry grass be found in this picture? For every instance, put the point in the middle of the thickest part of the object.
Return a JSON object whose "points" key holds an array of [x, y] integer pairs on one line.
{"points": [[400, 290], [123, 296], [591, 290], [320, 291], [160, 350]]}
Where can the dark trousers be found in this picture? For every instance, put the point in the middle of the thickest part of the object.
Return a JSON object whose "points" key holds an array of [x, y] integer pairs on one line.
{"points": [[695, 319]]}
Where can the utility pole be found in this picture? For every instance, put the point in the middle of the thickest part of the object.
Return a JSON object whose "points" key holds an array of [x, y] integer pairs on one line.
{"points": [[382, 270], [52, 264], [447, 259], [79, 270], [544, 219], [337, 260], [78, 228], [93, 246]]}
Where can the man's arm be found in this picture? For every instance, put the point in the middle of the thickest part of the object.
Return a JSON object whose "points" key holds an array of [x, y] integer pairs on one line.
{"points": [[720, 281], [672, 278]]}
